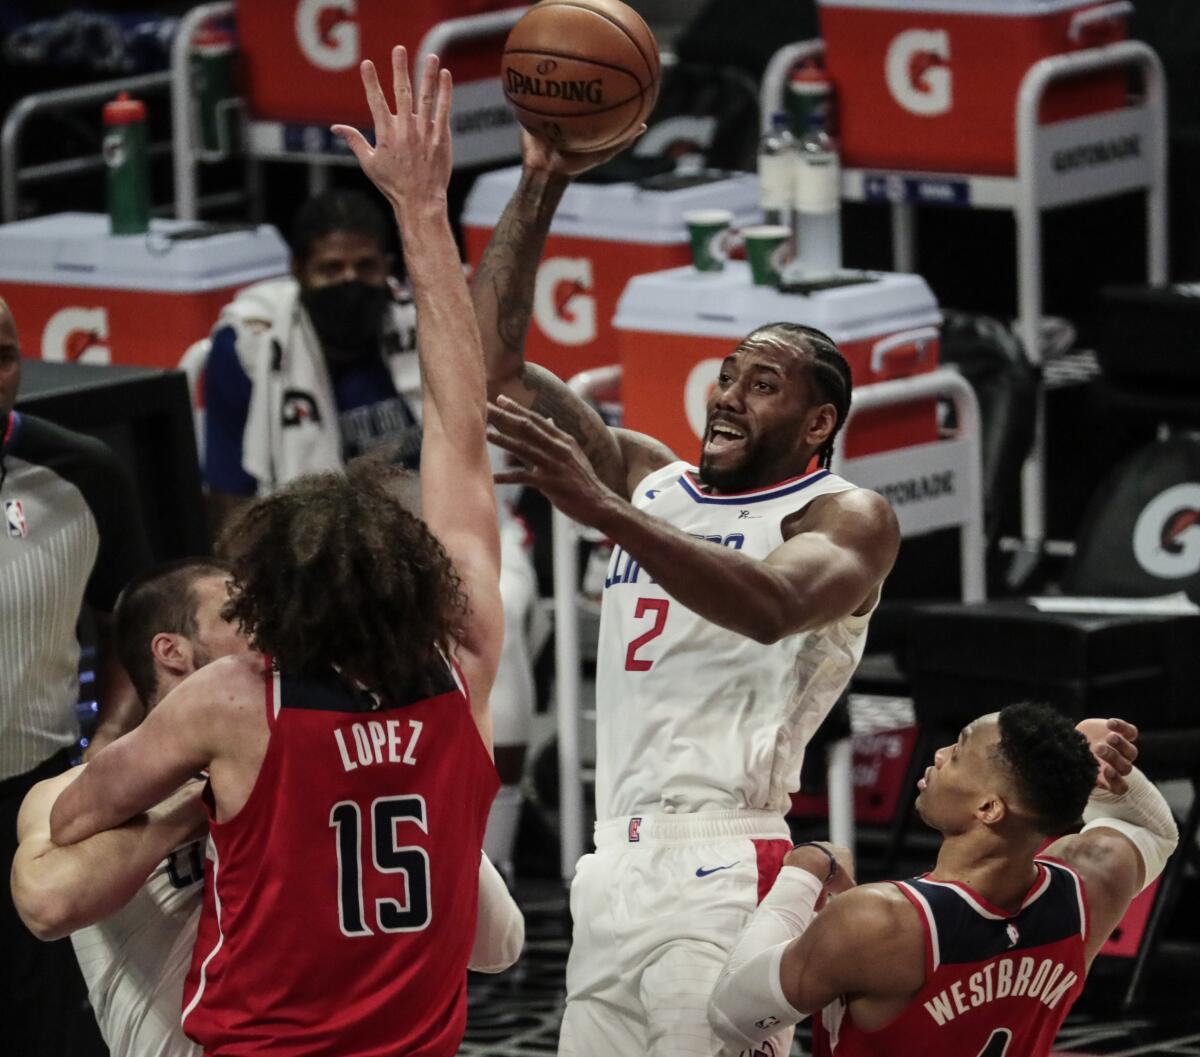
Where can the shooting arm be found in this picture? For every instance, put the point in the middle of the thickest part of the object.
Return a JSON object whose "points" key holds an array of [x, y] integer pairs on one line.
{"points": [[58, 890], [822, 574]]}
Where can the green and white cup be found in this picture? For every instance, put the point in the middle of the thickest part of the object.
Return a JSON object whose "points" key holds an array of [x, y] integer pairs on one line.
{"points": [[767, 249], [708, 230]]}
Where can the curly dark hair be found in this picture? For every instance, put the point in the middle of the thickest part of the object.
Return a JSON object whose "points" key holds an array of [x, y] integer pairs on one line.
{"points": [[1050, 761], [829, 368], [332, 570], [336, 210]]}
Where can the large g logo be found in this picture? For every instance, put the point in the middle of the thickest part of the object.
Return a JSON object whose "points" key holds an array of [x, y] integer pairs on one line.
{"points": [[75, 335], [562, 304], [327, 33], [1166, 537], [917, 72]]}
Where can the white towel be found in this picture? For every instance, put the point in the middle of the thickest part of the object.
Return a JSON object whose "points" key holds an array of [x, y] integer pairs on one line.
{"points": [[292, 427]]}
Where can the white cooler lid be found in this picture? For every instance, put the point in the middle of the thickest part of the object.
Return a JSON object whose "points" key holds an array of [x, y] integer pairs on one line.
{"points": [[726, 304], [620, 212], [76, 249], [1009, 8]]}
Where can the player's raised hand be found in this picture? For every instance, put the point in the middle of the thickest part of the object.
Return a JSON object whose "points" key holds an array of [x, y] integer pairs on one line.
{"points": [[538, 155], [411, 160], [551, 460], [1112, 743]]}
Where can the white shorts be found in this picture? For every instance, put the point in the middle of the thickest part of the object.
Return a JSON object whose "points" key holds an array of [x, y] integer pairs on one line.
{"points": [[657, 909]]}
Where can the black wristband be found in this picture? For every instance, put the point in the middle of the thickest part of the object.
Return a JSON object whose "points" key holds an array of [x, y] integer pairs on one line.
{"points": [[833, 863]]}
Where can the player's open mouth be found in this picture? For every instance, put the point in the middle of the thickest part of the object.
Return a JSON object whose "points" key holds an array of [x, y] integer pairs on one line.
{"points": [[723, 437]]}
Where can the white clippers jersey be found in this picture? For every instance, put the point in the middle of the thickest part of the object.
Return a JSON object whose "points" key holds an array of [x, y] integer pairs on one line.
{"points": [[135, 961], [691, 716]]}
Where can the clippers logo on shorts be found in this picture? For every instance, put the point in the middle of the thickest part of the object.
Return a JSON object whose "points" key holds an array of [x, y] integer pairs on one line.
{"points": [[1166, 537], [635, 824], [14, 517], [547, 87], [917, 71], [300, 408]]}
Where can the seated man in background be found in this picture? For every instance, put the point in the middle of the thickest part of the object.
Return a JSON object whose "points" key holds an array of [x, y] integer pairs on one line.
{"points": [[130, 897], [987, 953], [310, 371], [72, 533]]}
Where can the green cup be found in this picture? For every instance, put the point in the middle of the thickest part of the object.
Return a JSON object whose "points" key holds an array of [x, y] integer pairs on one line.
{"points": [[708, 230], [767, 250]]}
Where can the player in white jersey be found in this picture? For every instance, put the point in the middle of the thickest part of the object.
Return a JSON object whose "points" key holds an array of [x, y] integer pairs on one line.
{"points": [[130, 898], [735, 611]]}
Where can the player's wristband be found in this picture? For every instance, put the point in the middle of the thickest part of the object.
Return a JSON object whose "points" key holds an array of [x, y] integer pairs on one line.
{"points": [[833, 863]]}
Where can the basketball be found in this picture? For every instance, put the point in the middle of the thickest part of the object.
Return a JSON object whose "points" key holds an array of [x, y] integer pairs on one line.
{"points": [[581, 74]]}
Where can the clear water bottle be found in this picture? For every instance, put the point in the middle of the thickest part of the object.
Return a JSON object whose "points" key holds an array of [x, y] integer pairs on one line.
{"points": [[818, 203], [777, 171]]}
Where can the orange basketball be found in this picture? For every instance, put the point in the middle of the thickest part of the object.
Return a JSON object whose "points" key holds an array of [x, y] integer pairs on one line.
{"points": [[581, 74]]}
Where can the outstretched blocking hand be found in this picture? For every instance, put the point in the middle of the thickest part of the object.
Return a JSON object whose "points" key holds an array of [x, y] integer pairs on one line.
{"points": [[551, 460], [411, 160], [1112, 743]]}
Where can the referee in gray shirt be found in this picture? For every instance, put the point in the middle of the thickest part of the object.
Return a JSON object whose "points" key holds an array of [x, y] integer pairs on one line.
{"points": [[71, 532]]}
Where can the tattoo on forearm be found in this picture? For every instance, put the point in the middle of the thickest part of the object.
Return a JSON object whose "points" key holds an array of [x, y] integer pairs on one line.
{"points": [[571, 414]]}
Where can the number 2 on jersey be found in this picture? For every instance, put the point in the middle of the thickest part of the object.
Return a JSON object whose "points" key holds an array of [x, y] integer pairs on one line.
{"points": [[657, 606], [391, 915]]}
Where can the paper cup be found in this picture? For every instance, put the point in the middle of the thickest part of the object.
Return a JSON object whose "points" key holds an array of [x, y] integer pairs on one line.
{"points": [[767, 250], [708, 230]]}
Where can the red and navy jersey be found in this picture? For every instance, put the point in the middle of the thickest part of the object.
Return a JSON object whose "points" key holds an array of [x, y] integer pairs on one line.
{"points": [[996, 984], [340, 902]]}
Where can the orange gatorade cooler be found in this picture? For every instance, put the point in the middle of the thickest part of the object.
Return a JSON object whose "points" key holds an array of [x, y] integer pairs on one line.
{"points": [[300, 58], [932, 85], [602, 235], [79, 293], [675, 327]]}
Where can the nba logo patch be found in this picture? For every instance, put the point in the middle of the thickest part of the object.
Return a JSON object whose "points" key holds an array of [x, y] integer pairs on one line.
{"points": [[14, 517], [635, 824], [1014, 936]]}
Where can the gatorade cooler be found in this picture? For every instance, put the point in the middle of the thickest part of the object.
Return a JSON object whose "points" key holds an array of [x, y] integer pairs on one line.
{"points": [[602, 236], [932, 85], [78, 293], [675, 327], [300, 58]]}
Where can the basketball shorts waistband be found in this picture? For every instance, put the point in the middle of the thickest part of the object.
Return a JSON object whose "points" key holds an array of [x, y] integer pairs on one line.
{"points": [[660, 829]]}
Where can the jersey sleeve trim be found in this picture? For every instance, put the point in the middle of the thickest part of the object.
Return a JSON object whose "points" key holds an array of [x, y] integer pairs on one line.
{"points": [[933, 952]]}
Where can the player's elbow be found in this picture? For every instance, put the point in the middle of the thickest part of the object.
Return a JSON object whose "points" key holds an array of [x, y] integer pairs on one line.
{"points": [[506, 949], [46, 911], [723, 1019]]}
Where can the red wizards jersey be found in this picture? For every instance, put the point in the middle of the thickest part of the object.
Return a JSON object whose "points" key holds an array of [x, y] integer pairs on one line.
{"points": [[996, 984], [339, 905]]}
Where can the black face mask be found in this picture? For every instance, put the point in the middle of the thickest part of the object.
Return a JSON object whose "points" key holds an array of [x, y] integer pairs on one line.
{"points": [[348, 318]]}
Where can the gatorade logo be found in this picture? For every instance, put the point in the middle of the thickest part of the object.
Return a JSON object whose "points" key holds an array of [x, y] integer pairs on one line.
{"points": [[562, 301], [327, 33], [76, 335], [1166, 536], [699, 384], [918, 72]]}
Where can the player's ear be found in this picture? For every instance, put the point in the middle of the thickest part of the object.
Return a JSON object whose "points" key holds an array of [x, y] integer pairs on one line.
{"points": [[172, 652], [822, 421], [991, 809]]}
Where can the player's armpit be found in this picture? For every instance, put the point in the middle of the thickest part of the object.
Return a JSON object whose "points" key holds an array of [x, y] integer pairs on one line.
{"points": [[866, 944], [836, 554], [1111, 869]]}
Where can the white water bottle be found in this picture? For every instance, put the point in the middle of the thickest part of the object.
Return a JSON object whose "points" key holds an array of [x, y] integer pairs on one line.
{"points": [[777, 171], [818, 203]]}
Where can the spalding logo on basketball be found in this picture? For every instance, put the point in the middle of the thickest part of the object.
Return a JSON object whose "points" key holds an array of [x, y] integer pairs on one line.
{"points": [[581, 74], [1166, 537]]}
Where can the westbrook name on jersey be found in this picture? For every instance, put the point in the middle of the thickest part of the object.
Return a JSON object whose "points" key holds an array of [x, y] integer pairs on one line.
{"points": [[692, 716]]}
